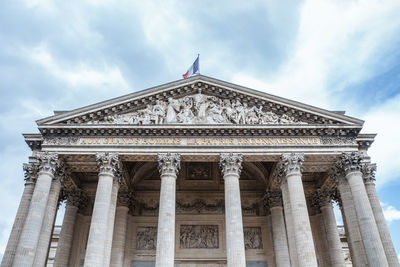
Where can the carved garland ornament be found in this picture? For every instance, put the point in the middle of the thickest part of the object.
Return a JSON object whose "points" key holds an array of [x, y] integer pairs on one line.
{"points": [[199, 109]]}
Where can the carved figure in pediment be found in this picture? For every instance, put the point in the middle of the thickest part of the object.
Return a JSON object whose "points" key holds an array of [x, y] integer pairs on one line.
{"points": [[173, 109], [199, 108], [159, 111]]}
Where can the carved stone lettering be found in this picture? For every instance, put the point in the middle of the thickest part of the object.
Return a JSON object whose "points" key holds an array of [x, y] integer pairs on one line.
{"points": [[146, 238], [252, 238], [200, 109], [199, 236]]}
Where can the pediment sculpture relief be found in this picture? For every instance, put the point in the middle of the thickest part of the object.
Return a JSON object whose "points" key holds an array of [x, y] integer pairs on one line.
{"points": [[200, 109]]}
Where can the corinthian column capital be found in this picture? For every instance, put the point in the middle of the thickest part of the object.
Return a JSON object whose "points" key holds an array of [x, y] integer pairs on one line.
{"points": [[48, 162], [272, 199], [30, 172], [109, 163], [290, 163], [350, 162], [230, 163], [368, 170], [76, 197], [169, 163], [322, 197]]}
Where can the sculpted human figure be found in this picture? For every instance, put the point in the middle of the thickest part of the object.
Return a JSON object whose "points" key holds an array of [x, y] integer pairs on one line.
{"points": [[172, 109], [215, 114], [159, 112], [186, 115]]}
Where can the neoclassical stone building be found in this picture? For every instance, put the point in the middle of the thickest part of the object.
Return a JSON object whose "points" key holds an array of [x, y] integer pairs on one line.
{"points": [[199, 172]]}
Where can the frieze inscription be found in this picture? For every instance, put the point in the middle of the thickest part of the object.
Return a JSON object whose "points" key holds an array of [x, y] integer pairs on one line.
{"points": [[199, 236]]}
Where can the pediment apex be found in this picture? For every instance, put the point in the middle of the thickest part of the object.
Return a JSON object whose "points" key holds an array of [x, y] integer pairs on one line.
{"points": [[216, 91]]}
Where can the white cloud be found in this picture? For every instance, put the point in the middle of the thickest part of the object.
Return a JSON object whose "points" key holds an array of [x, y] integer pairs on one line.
{"points": [[391, 213], [384, 151], [336, 40], [80, 74]]}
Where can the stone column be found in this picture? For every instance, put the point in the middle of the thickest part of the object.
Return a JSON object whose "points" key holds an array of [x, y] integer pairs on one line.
{"points": [[29, 239], [30, 170], [351, 164], [345, 201], [120, 228], [231, 165], [110, 224], [109, 170], [319, 236], [48, 223], [324, 199], [369, 181], [289, 224], [169, 164], [278, 229], [75, 200], [289, 168]]}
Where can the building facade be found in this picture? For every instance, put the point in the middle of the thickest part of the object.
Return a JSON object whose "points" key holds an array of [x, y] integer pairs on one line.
{"points": [[199, 172]]}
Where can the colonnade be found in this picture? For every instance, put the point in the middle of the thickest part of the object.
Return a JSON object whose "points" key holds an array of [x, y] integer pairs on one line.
{"points": [[293, 239]]}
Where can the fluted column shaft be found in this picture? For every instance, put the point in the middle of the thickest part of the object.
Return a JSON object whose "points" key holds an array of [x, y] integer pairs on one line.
{"points": [[369, 231], [67, 231], [369, 178], [290, 166], [120, 229], [358, 257], [30, 178], [282, 258], [165, 252], [289, 225], [110, 225], [48, 223], [332, 236], [29, 238], [109, 170], [231, 166], [319, 234]]}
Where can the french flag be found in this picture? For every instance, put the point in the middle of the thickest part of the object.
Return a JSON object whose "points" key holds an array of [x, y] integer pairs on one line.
{"points": [[193, 69]]}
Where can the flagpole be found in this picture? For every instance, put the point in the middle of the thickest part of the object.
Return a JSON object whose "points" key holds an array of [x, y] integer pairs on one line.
{"points": [[198, 56]]}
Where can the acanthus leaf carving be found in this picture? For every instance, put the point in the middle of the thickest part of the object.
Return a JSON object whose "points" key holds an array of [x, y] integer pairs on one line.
{"points": [[289, 163], [199, 109], [30, 172], [109, 163], [350, 162], [169, 163], [48, 162], [368, 171], [231, 163]]}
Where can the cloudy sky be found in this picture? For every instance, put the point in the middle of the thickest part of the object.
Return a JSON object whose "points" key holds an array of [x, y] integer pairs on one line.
{"points": [[337, 55]]}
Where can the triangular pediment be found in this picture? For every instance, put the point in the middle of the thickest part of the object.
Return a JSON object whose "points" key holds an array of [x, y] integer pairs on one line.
{"points": [[196, 101]]}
